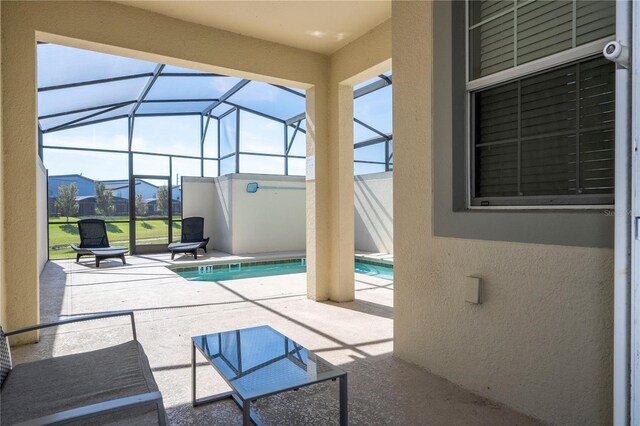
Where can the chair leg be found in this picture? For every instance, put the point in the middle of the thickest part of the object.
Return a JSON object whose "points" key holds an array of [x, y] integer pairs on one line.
{"points": [[124, 262], [205, 248], [97, 262], [195, 254], [78, 256], [173, 255]]}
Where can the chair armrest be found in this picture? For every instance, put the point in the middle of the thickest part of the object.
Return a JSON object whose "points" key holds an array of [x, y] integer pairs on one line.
{"points": [[78, 319], [88, 411]]}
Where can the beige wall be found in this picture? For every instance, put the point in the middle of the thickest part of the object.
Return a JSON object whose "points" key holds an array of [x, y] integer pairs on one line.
{"points": [[541, 341], [374, 212], [19, 176], [41, 197], [360, 60]]}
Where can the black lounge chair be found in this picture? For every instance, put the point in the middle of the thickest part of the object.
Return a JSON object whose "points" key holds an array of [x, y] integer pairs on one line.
{"points": [[192, 237], [94, 242]]}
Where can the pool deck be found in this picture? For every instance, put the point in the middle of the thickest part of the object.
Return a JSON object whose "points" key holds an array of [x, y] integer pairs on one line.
{"points": [[357, 336]]}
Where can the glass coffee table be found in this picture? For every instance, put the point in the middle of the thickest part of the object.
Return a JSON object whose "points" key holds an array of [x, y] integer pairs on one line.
{"points": [[258, 362]]}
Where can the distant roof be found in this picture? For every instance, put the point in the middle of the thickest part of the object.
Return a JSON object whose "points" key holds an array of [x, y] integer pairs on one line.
{"points": [[71, 176], [89, 197], [113, 186], [113, 183], [108, 184]]}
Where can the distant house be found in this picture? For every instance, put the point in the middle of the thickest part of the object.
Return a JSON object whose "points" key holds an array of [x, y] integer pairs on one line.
{"points": [[120, 188], [152, 205], [86, 197], [87, 206], [86, 186]]}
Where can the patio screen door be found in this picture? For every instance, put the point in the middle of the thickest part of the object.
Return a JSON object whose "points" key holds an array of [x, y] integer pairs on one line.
{"points": [[151, 205]]}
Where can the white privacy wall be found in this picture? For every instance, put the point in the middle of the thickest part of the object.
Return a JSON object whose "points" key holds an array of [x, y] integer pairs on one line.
{"points": [[198, 200], [273, 220], [270, 220], [42, 199], [373, 198]]}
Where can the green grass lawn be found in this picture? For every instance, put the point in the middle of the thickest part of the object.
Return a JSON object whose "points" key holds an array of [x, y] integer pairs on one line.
{"points": [[62, 234]]}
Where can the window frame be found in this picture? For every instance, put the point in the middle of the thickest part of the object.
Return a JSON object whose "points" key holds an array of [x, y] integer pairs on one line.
{"points": [[574, 55]]}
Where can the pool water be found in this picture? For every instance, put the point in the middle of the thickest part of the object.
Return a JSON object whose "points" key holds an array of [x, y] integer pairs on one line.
{"points": [[254, 271], [374, 270]]}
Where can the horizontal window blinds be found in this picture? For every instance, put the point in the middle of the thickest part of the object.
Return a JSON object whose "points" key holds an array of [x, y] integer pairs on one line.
{"points": [[550, 134], [504, 34]]}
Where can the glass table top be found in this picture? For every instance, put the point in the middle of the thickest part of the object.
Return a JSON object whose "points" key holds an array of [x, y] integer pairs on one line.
{"points": [[260, 361]]}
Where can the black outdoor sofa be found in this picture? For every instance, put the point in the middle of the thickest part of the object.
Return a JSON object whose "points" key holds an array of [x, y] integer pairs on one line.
{"points": [[192, 237], [113, 385], [95, 242]]}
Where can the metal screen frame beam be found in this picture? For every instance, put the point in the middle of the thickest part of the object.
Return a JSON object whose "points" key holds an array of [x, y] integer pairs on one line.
{"points": [[372, 87], [296, 118], [78, 120], [226, 96], [92, 82], [76, 111], [146, 89]]}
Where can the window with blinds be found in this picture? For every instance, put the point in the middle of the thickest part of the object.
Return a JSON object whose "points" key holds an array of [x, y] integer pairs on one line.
{"points": [[545, 137], [505, 34]]}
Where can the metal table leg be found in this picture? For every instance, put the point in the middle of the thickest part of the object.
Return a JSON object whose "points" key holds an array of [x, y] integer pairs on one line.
{"points": [[193, 373], [248, 416], [246, 413], [344, 406]]}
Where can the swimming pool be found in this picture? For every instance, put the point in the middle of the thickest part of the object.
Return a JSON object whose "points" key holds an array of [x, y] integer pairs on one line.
{"points": [[237, 271]]}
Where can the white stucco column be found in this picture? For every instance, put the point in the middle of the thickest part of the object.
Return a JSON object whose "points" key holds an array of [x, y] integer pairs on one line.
{"points": [[330, 207], [317, 193]]}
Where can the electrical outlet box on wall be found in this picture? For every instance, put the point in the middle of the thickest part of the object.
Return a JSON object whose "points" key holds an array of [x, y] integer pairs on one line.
{"points": [[472, 288]]}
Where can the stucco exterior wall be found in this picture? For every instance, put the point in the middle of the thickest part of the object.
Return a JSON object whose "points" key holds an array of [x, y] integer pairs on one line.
{"points": [[541, 340], [374, 212], [360, 60]]}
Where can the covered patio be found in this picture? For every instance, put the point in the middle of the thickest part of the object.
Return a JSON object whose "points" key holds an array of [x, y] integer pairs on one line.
{"points": [[357, 336], [511, 159]]}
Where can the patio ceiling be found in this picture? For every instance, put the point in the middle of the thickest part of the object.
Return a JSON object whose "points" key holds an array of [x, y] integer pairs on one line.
{"points": [[80, 87], [318, 26]]}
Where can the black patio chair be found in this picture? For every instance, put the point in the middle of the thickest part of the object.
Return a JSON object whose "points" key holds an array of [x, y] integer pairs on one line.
{"points": [[95, 242], [192, 237]]}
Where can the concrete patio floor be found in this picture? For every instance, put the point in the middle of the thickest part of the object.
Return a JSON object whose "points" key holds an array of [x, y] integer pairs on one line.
{"points": [[357, 336]]}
